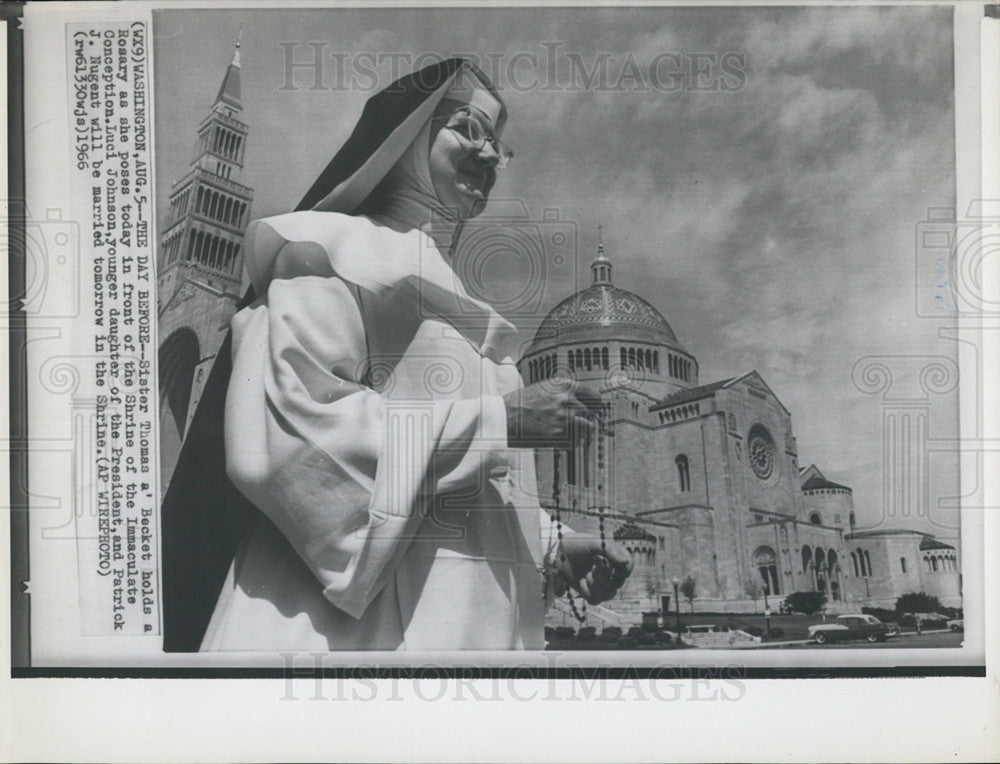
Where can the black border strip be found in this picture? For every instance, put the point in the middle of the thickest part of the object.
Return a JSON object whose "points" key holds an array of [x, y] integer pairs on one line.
{"points": [[20, 606], [728, 672]]}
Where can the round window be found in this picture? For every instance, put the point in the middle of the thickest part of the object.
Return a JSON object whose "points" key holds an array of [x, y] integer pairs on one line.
{"points": [[760, 447]]}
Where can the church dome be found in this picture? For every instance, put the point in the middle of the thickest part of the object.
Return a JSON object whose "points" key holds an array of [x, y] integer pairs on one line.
{"points": [[603, 312], [610, 336]]}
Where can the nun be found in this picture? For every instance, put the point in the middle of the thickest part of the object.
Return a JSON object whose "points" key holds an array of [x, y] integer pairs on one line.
{"points": [[374, 418]]}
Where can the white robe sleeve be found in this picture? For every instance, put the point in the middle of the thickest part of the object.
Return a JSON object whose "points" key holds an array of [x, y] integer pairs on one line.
{"points": [[345, 473]]}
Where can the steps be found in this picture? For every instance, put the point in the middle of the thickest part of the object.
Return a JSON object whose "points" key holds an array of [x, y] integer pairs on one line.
{"points": [[719, 639], [561, 614]]}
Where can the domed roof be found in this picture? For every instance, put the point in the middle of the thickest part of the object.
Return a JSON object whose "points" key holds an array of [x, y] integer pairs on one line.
{"points": [[815, 483], [603, 312]]}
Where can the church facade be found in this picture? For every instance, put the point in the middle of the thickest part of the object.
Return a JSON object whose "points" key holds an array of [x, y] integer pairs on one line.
{"points": [[695, 479], [702, 480]]}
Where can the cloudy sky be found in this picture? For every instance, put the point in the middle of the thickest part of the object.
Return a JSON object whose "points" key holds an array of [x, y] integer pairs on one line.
{"points": [[761, 187]]}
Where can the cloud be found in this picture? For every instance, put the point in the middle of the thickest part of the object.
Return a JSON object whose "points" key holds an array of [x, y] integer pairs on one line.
{"points": [[773, 226]]}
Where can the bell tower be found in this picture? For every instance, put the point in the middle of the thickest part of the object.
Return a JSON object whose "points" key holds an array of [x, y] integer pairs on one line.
{"points": [[200, 261]]}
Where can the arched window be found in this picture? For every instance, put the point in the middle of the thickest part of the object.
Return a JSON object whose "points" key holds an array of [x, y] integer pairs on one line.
{"points": [[815, 519], [624, 357], [854, 559], [868, 563], [683, 472], [902, 564], [934, 564], [807, 557], [631, 358], [586, 359], [604, 358]]}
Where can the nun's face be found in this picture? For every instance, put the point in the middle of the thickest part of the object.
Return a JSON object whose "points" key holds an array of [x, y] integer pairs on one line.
{"points": [[463, 174]]}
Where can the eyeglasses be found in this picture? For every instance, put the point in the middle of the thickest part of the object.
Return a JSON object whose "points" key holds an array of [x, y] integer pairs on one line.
{"points": [[472, 129]]}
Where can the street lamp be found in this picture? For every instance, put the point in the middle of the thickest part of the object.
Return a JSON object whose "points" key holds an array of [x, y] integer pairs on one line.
{"points": [[677, 602], [767, 611]]}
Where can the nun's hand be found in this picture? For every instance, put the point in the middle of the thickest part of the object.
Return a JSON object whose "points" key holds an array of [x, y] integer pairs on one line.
{"points": [[596, 573], [546, 414]]}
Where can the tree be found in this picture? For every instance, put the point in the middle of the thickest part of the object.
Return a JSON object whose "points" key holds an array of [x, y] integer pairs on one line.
{"points": [[652, 586], [807, 603], [754, 589], [688, 590], [918, 602]]}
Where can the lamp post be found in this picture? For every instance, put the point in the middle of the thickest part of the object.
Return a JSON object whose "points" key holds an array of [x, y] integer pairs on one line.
{"points": [[767, 612], [677, 602]]}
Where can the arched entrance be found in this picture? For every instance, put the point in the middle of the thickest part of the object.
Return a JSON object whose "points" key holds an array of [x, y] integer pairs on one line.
{"points": [[819, 569], [807, 566], [833, 567], [766, 562], [178, 358]]}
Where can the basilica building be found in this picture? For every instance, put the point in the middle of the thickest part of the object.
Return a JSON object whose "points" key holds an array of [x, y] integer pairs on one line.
{"points": [[703, 480], [696, 480]]}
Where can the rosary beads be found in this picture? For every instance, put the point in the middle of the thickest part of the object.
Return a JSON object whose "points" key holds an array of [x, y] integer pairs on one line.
{"points": [[601, 561]]}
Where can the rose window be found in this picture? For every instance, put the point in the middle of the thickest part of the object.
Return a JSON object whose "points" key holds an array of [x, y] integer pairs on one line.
{"points": [[760, 447]]}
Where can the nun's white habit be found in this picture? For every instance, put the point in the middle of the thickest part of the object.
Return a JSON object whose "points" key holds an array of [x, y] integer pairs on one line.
{"points": [[365, 419]]}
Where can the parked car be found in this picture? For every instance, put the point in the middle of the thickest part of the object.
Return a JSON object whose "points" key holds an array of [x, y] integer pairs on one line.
{"points": [[956, 625], [854, 626]]}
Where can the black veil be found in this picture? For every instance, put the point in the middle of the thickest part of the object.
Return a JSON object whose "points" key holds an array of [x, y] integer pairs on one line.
{"points": [[203, 516]]}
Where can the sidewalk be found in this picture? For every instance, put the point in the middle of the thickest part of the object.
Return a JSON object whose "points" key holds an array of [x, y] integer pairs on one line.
{"points": [[800, 642]]}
